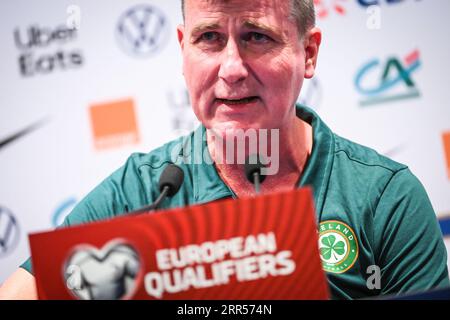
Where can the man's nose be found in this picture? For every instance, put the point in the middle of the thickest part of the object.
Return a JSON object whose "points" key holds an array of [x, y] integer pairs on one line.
{"points": [[232, 67]]}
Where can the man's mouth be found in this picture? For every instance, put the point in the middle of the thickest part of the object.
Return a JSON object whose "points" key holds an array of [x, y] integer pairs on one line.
{"points": [[238, 101]]}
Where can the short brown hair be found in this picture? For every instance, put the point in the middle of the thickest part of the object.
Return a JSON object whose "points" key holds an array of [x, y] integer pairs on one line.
{"points": [[302, 11]]}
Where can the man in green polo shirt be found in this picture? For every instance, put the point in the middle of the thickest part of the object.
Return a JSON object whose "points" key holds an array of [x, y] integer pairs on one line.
{"points": [[244, 65]]}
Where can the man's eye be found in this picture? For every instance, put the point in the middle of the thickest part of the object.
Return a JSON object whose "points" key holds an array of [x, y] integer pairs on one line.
{"points": [[257, 37], [209, 36]]}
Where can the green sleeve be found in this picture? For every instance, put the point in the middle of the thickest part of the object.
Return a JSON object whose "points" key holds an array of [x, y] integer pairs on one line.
{"points": [[411, 252], [121, 192]]}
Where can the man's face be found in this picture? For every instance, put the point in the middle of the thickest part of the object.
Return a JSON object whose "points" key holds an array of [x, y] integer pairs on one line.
{"points": [[243, 61]]}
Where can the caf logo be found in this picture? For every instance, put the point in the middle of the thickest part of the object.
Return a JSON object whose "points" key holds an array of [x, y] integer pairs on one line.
{"points": [[108, 273], [338, 246]]}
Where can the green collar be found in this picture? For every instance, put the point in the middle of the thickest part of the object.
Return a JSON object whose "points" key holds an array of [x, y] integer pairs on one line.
{"points": [[208, 186], [317, 170]]}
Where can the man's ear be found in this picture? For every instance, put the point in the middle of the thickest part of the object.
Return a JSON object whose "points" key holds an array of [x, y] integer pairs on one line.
{"points": [[180, 33], [312, 43]]}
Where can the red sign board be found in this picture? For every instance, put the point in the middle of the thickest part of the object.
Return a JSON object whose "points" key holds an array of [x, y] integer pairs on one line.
{"points": [[251, 248]]}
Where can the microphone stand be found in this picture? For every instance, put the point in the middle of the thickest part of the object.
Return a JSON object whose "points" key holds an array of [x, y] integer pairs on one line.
{"points": [[252, 168], [155, 204], [256, 181], [169, 183]]}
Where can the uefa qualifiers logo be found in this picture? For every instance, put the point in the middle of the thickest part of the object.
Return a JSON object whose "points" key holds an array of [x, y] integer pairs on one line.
{"points": [[9, 232], [390, 80], [108, 273], [142, 30]]}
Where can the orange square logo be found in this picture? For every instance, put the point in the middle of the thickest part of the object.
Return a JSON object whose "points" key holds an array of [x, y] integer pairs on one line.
{"points": [[114, 124], [446, 140]]}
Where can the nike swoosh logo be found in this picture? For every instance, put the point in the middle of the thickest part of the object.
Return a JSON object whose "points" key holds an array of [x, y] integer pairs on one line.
{"points": [[21, 133]]}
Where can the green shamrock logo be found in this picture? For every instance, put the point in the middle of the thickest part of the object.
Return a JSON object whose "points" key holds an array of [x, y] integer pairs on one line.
{"points": [[331, 247]]}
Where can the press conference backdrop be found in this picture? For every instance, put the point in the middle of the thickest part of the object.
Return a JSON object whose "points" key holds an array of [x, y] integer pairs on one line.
{"points": [[83, 84]]}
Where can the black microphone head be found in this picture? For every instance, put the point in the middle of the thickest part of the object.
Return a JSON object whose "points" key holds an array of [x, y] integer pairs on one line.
{"points": [[172, 177], [253, 164]]}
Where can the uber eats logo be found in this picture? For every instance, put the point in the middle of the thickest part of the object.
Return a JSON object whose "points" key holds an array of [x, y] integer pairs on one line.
{"points": [[43, 50], [338, 246]]}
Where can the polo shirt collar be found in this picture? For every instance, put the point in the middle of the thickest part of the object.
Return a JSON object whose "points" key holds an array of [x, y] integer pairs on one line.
{"points": [[318, 167], [208, 186]]}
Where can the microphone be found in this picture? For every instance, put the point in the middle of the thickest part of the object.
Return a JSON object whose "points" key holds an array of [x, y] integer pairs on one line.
{"points": [[252, 168], [170, 182]]}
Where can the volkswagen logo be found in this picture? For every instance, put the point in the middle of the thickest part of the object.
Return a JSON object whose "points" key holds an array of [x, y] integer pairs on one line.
{"points": [[107, 273], [142, 30], [9, 232]]}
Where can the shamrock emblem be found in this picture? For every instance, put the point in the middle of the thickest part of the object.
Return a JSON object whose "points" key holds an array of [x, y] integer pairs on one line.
{"points": [[331, 248]]}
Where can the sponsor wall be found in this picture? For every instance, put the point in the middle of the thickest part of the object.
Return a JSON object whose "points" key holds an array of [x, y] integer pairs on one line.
{"points": [[84, 84]]}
